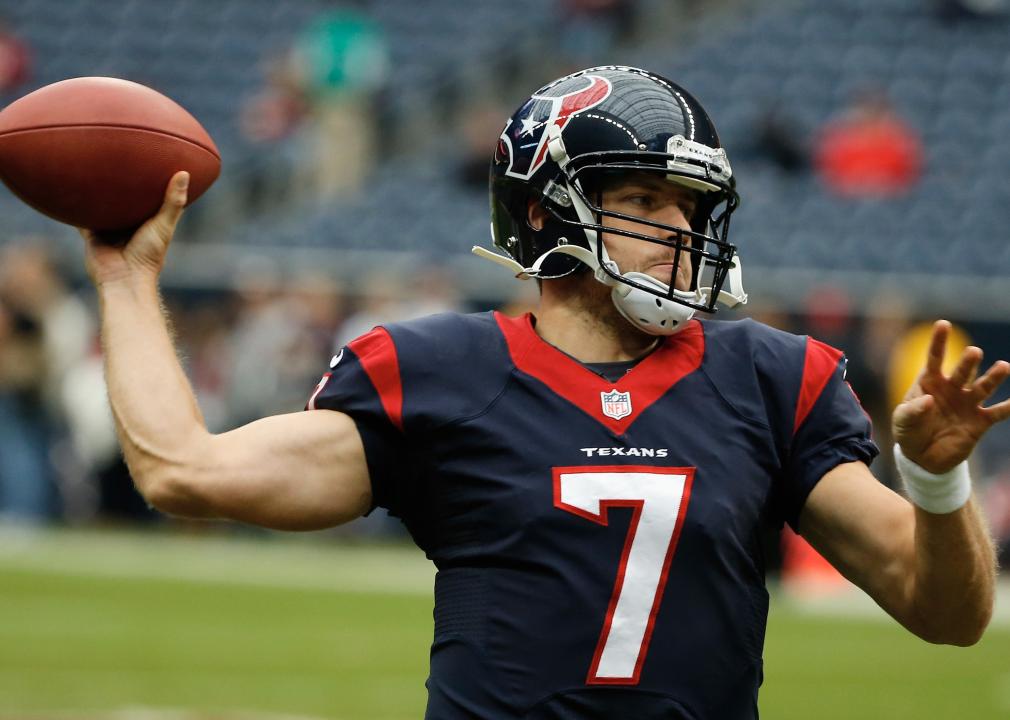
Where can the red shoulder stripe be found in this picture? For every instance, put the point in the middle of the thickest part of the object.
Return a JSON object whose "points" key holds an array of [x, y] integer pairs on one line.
{"points": [[377, 354], [818, 367]]}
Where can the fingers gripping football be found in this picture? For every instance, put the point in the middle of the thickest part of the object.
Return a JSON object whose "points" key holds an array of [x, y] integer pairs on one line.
{"points": [[112, 257]]}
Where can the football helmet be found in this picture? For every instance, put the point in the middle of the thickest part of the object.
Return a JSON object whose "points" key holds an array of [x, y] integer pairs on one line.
{"points": [[566, 141]]}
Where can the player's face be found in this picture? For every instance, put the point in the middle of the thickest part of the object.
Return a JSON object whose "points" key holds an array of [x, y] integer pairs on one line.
{"points": [[653, 198]]}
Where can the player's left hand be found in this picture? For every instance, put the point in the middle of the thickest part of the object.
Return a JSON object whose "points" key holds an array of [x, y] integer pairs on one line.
{"points": [[941, 418]]}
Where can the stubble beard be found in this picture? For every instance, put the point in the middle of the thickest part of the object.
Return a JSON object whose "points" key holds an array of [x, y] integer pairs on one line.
{"points": [[593, 302]]}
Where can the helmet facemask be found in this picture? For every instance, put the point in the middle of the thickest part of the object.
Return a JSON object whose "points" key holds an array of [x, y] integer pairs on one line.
{"points": [[711, 255]]}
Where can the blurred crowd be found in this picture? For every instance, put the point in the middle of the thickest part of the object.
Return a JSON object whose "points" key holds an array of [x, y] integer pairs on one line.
{"points": [[253, 349], [259, 346], [316, 121]]}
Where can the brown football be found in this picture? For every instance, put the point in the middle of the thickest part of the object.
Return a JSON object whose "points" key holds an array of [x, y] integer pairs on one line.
{"points": [[97, 152]]}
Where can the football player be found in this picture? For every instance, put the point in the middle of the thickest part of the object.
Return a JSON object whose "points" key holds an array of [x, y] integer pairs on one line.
{"points": [[591, 480]]}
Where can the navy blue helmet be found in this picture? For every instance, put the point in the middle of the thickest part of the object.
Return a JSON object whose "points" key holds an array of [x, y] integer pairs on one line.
{"points": [[563, 143]]}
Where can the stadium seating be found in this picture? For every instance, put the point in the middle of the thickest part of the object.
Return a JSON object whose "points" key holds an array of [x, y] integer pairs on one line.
{"points": [[803, 59]]}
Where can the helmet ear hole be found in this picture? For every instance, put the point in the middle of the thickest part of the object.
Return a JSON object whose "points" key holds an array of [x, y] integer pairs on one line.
{"points": [[536, 214]]}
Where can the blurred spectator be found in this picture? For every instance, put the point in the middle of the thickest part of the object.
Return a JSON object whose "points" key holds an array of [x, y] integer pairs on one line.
{"points": [[431, 291], [386, 297], [480, 129], [15, 60], [273, 358], [95, 480], [278, 108], [322, 304], [27, 490], [53, 327], [829, 316], [204, 329], [779, 142], [270, 121], [381, 301], [590, 29], [31, 283], [343, 61], [870, 151]]}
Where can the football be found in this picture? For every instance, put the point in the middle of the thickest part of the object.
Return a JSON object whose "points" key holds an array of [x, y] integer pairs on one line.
{"points": [[98, 152]]}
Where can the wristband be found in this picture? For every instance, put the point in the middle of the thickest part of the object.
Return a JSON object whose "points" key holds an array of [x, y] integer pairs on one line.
{"points": [[938, 494]]}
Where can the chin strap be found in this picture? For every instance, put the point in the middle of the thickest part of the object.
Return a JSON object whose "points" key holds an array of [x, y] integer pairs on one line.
{"points": [[506, 262]]}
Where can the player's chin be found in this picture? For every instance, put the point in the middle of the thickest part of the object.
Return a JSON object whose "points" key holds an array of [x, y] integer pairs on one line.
{"points": [[664, 273]]}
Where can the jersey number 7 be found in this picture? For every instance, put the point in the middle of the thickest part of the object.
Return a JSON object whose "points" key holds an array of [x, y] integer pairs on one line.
{"points": [[659, 497]]}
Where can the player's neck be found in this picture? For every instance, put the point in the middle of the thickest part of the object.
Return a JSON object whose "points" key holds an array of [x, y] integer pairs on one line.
{"points": [[588, 327]]}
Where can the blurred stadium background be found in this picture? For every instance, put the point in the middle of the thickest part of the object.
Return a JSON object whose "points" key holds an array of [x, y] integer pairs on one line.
{"points": [[869, 139]]}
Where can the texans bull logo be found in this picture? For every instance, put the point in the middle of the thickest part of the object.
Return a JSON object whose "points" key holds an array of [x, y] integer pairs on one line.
{"points": [[524, 140]]}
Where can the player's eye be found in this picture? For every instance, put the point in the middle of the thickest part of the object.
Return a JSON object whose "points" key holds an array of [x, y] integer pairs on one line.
{"points": [[640, 199]]}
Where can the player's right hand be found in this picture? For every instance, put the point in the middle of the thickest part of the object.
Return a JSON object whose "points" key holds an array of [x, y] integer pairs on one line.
{"points": [[109, 259]]}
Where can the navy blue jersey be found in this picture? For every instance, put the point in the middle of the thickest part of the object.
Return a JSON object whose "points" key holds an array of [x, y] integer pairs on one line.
{"points": [[598, 543]]}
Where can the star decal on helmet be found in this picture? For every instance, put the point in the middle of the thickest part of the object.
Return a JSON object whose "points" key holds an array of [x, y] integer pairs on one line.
{"points": [[539, 112]]}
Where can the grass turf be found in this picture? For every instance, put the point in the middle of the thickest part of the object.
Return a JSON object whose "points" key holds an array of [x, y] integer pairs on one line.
{"points": [[98, 622]]}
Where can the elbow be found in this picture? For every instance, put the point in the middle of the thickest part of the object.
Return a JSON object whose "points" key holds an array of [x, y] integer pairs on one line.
{"points": [[963, 630], [969, 639], [961, 637], [972, 631], [169, 494], [173, 482], [173, 492]]}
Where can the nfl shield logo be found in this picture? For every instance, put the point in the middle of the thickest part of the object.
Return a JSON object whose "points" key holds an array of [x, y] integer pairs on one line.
{"points": [[616, 404]]}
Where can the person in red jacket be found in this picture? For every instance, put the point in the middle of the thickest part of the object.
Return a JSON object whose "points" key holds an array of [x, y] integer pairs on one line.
{"points": [[15, 59], [870, 151]]}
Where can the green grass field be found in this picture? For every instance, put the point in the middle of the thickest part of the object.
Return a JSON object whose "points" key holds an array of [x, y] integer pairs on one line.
{"points": [[125, 625]]}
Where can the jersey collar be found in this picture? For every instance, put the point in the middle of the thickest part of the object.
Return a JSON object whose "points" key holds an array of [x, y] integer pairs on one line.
{"points": [[677, 356]]}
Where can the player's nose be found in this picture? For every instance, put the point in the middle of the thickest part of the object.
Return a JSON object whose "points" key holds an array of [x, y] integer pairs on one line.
{"points": [[675, 217]]}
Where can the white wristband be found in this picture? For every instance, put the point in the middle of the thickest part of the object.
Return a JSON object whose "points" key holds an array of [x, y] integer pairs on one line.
{"points": [[938, 494]]}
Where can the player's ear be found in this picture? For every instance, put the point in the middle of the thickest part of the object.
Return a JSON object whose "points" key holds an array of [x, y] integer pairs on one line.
{"points": [[536, 214]]}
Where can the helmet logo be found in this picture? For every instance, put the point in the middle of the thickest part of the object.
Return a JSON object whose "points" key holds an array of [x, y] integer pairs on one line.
{"points": [[526, 133], [616, 404]]}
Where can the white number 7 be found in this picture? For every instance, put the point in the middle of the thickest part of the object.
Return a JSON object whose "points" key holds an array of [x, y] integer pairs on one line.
{"points": [[660, 497]]}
